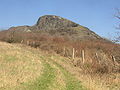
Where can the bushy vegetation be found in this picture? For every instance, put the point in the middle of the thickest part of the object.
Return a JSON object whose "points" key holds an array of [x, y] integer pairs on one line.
{"points": [[101, 56], [25, 68]]}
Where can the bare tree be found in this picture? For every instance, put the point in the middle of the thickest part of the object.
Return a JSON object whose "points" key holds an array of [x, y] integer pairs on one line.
{"points": [[117, 38], [118, 16]]}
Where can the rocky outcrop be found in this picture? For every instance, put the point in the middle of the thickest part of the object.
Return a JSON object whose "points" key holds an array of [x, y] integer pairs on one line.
{"points": [[55, 25], [48, 22]]}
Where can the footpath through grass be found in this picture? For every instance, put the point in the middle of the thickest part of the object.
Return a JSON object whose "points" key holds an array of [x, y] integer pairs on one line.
{"points": [[71, 82], [33, 70], [46, 79]]}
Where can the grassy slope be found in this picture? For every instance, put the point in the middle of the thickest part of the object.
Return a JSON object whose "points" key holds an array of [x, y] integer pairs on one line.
{"points": [[24, 68]]}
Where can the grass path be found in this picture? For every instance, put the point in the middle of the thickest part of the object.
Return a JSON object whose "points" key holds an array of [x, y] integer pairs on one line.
{"points": [[46, 79], [71, 82], [33, 70]]}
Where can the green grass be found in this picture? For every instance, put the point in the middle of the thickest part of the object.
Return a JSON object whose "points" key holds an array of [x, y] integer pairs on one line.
{"points": [[43, 82], [71, 82], [19, 63], [10, 58]]}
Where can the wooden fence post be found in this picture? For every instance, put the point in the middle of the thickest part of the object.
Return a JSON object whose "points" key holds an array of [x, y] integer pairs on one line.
{"points": [[97, 57], [64, 51], [83, 56], [33, 43], [114, 60], [73, 54], [28, 43], [21, 41]]}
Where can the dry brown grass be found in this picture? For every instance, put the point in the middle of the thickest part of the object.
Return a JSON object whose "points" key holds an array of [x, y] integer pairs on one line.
{"points": [[98, 53], [17, 66], [100, 66], [90, 81]]}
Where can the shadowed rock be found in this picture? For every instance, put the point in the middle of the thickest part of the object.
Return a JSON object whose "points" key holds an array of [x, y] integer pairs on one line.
{"points": [[55, 25], [54, 22]]}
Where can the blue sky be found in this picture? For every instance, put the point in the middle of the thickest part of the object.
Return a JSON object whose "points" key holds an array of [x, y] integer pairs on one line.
{"points": [[97, 15]]}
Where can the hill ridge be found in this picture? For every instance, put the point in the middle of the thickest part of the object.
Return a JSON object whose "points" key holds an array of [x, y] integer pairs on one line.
{"points": [[56, 25]]}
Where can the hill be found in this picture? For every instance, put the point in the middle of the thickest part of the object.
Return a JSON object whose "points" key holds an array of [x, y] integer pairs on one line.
{"points": [[59, 35], [84, 52], [25, 68], [55, 25]]}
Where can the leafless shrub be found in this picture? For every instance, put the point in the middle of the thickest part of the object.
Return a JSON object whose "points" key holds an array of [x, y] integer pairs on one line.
{"points": [[63, 46]]}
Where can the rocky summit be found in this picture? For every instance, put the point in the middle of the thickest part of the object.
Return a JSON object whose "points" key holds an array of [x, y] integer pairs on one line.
{"points": [[56, 25], [54, 22]]}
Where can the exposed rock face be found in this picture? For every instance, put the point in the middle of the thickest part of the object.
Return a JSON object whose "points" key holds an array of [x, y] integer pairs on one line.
{"points": [[55, 25], [20, 28], [54, 22]]}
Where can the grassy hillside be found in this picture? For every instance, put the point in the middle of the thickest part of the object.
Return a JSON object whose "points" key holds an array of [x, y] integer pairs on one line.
{"points": [[25, 68], [57, 54]]}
